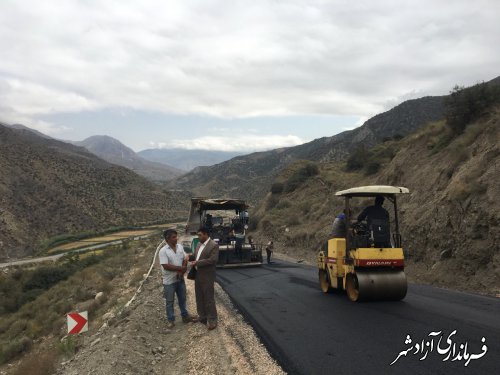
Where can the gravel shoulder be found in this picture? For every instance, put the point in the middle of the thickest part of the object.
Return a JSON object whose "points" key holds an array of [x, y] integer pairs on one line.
{"points": [[139, 343]]}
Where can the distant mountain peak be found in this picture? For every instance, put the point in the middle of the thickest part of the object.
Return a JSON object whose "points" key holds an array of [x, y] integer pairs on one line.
{"points": [[113, 151]]}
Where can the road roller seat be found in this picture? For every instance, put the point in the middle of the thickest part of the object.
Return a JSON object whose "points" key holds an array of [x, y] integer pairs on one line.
{"points": [[380, 233]]}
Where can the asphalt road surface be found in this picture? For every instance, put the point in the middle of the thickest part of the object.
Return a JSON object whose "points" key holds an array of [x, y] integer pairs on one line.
{"points": [[309, 332]]}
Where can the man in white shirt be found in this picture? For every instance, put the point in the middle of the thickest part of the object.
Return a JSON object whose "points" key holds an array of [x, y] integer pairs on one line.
{"points": [[173, 261]]}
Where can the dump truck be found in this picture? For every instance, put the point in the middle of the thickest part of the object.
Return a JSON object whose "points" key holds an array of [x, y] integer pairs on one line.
{"points": [[358, 263], [227, 222]]}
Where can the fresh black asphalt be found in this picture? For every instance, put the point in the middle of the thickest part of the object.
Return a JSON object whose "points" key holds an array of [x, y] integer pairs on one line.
{"points": [[309, 332]]}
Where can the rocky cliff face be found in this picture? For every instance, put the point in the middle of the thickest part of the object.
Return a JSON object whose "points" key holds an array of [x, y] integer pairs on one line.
{"points": [[49, 188]]}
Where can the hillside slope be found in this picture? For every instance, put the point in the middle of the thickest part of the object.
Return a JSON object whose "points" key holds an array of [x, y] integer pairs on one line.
{"points": [[450, 221], [49, 188], [250, 176], [115, 152]]}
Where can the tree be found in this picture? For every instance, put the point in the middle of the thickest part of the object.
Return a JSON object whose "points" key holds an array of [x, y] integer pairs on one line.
{"points": [[466, 104]]}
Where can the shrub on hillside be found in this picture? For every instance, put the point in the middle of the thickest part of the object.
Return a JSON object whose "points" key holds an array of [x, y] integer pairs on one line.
{"points": [[277, 188], [283, 205], [300, 176], [41, 364], [357, 159], [45, 277], [372, 167], [397, 137], [14, 347], [293, 220], [272, 201], [253, 223], [45, 315], [20, 289], [310, 170], [464, 105], [370, 161]]}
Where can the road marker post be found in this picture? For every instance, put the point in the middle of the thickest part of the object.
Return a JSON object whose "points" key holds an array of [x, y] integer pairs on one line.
{"points": [[78, 322]]}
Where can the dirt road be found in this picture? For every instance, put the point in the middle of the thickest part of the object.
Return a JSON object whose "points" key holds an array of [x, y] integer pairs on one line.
{"points": [[139, 342]]}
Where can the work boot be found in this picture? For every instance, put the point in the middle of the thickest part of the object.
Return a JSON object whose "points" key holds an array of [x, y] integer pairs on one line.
{"points": [[189, 319], [212, 326], [197, 319], [170, 324]]}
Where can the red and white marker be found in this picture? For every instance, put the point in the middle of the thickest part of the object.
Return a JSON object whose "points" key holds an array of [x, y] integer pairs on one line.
{"points": [[78, 322]]}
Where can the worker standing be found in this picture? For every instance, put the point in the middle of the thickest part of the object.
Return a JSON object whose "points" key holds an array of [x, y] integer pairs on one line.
{"points": [[269, 251]]}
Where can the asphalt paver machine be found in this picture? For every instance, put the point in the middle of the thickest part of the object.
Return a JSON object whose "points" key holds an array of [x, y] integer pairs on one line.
{"points": [[227, 222]]}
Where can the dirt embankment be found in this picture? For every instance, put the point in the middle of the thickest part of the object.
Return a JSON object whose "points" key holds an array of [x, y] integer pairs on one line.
{"points": [[139, 342]]}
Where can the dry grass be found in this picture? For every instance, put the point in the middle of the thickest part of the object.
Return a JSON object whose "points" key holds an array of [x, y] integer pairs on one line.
{"points": [[45, 316], [41, 364], [98, 240], [71, 246], [134, 233], [110, 237], [471, 133], [91, 253]]}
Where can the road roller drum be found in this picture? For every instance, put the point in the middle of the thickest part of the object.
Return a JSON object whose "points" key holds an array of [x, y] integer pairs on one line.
{"points": [[381, 285]]}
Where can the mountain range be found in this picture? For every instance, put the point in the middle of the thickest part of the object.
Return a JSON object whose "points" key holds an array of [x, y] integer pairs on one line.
{"points": [[154, 164], [230, 173], [250, 176], [49, 188]]}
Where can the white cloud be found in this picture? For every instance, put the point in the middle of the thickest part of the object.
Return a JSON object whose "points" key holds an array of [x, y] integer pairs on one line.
{"points": [[28, 98], [240, 59], [219, 130], [44, 127], [237, 142]]}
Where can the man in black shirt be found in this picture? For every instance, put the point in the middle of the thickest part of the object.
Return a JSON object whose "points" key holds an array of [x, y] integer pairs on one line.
{"points": [[377, 219]]}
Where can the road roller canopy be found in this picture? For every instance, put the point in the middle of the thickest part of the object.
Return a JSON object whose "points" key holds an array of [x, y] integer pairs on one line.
{"points": [[371, 191]]}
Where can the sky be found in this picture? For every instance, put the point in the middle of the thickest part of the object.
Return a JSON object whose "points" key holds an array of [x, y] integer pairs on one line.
{"points": [[233, 75]]}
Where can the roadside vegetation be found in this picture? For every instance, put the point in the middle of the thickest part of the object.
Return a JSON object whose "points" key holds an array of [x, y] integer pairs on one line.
{"points": [[68, 241], [370, 161], [465, 105], [34, 301]]}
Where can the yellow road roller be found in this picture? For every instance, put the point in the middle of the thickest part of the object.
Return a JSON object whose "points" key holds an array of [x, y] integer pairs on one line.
{"points": [[367, 261]]}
